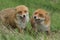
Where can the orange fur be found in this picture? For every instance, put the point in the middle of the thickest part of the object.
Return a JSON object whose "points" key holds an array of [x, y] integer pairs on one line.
{"points": [[42, 19], [9, 16]]}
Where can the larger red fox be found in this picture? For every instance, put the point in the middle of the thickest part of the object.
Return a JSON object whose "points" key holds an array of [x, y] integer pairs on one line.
{"points": [[41, 21], [16, 17]]}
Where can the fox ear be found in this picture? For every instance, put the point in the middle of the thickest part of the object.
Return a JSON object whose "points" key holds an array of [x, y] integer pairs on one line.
{"points": [[47, 17], [47, 13], [15, 9]]}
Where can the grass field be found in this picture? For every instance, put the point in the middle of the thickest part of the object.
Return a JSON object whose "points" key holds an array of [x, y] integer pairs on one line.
{"points": [[52, 6]]}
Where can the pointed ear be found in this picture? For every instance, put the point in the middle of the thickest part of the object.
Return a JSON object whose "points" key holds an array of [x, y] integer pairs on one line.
{"points": [[47, 17], [15, 9], [47, 13]]}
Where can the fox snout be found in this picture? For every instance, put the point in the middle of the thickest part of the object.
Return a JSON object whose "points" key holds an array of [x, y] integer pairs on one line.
{"points": [[39, 18], [23, 16], [34, 17]]}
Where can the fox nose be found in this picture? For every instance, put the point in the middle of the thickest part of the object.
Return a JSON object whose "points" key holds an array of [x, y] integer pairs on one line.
{"points": [[34, 17], [23, 15]]}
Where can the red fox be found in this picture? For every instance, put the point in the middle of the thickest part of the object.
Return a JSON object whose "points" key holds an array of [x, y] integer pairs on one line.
{"points": [[41, 21], [16, 17]]}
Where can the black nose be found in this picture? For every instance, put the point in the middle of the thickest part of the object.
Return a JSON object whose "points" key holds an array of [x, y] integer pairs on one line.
{"points": [[34, 17], [23, 15]]}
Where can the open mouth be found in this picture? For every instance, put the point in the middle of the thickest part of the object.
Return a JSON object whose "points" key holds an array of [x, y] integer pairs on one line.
{"points": [[38, 20], [22, 17]]}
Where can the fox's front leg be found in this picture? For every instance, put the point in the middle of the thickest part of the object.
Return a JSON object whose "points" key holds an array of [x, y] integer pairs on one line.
{"points": [[20, 29], [34, 28], [48, 32]]}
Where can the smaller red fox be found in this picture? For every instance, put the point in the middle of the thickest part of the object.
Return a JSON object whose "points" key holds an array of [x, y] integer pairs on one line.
{"points": [[40, 21]]}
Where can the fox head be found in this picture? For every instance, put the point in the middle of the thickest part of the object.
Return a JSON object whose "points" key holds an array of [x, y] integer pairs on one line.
{"points": [[40, 15], [22, 11]]}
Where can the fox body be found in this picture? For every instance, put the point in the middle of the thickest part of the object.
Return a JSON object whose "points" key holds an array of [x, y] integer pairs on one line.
{"points": [[16, 17], [40, 21]]}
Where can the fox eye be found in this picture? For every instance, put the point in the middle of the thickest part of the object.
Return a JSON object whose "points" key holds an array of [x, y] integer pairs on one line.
{"points": [[35, 12], [40, 15], [20, 12], [25, 11]]}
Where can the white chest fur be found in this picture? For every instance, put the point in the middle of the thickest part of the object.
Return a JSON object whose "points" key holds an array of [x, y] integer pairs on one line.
{"points": [[22, 24], [42, 26]]}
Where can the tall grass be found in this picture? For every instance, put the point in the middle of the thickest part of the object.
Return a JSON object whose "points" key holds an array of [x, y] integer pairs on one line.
{"points": [[50, 5]]}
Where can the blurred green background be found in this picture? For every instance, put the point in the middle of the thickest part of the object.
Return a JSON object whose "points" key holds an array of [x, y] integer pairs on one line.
{"points": [[52, 6]]}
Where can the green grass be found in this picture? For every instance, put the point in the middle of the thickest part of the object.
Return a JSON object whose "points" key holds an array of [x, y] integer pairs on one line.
{"points": [[50, 5]]}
